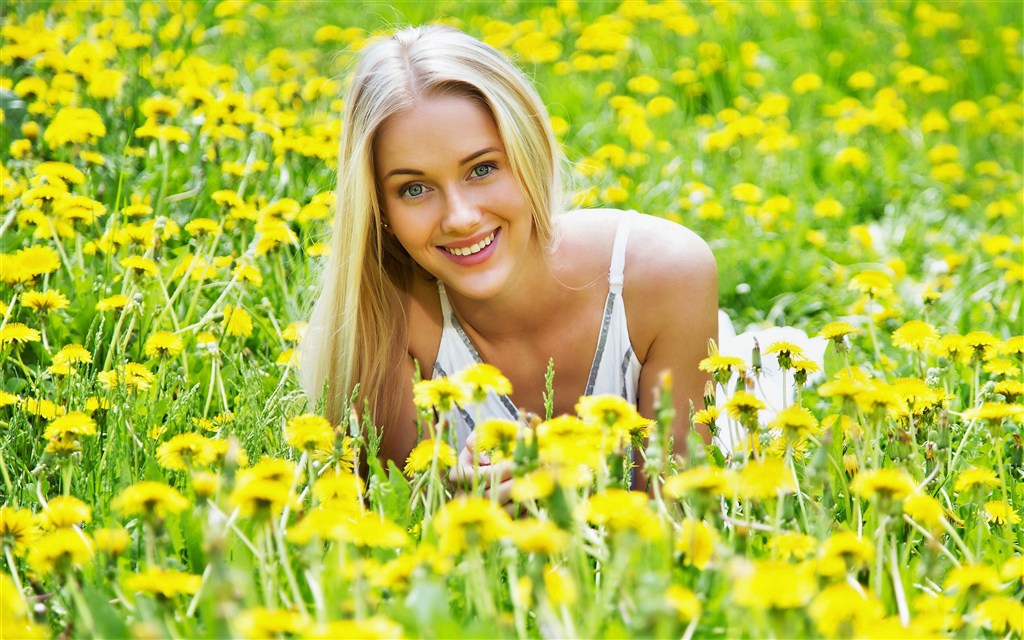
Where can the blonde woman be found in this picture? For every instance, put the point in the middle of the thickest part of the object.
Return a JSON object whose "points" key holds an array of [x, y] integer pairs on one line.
{"points": [[452, 246]]}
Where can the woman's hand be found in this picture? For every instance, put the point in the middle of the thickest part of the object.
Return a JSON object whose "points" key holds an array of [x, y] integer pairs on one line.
{"points": [[474, 469]]}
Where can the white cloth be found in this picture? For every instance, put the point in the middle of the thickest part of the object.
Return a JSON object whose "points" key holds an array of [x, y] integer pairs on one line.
{"points": [[770, 386], [615, 369]]}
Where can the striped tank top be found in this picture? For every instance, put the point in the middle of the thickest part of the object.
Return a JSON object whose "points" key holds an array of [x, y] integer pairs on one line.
{"points": [[615, 369]]}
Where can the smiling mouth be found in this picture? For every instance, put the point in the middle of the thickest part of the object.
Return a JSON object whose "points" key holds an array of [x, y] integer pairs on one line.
{"points": [[476, 248]]}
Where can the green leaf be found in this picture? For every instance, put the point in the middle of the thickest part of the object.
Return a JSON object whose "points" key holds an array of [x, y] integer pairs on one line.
{"points": [[834, 362], [391, 491], [108, 622]]}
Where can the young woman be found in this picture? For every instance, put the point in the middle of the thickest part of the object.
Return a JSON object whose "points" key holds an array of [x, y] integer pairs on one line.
{"points": [[451, 246]]}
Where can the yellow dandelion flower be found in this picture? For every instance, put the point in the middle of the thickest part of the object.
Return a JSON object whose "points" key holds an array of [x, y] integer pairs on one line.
{"points": [[924, 509], [795, 422], [497, 436], [721, 367], [440, 394], [793, 546], [746, 193], [64, 512], [982, 343], [16, 333], [294, 331], [112, 541], [309, 432], [613, 412], [978, 578], [704, 480], [873, 283], [696, 542], [139, 265], [467, 521], [1012, 390], [374, 627], [535, 485], [346, 487], [44, 301], [63, 549], [995, 412], [837, 330], [847, 547], [538, 536], [1000, 512], [163, 344], [684, 602], [164, 584], [117, 301], [1013, 569], [185, 451], [974, 477], [743, 406], [885, 484], [559, 586], [1000, 614], [756, 585], [764, 479], [270, 623], [422, 455], [149, 499], [915, 335], [481, 379], [369, 529], [72, 354], [74, 125], [261, 497], [237, 322], [8, 399], [42, 408], [75, 423], [19, 529], [840, 607]]}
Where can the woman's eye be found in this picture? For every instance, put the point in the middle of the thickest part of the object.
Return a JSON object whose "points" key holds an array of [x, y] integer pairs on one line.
{"points": [[413, 190], [482, 170]]}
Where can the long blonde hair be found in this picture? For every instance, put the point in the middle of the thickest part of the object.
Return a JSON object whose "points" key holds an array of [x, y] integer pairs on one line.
{"points": [[358, 331]]}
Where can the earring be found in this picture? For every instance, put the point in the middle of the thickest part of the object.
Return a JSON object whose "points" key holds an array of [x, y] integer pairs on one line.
{"points": [[386, 225]]}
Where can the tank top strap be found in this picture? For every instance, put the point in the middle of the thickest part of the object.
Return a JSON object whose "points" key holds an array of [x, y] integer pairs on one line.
{"points": [[446, 306], [618, 266]]}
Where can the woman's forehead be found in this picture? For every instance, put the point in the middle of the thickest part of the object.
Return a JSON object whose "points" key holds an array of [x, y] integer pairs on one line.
{"points": [[447, 128]]}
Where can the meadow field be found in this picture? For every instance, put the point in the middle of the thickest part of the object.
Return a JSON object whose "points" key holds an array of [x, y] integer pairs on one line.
{"points": [[167, 172]]}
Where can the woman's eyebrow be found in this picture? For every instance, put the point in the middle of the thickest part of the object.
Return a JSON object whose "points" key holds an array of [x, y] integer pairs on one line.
{"points": [[477, 154], [411, 172], [417, 172]]}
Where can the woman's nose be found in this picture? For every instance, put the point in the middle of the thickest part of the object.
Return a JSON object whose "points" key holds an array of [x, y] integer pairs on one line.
{"points": [[462, 213]]}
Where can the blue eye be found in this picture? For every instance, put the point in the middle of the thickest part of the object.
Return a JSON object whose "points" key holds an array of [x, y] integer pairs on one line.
{"points": [[482, 170], [414, 190]]}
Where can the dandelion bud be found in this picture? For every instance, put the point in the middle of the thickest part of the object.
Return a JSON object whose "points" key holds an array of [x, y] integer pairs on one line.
{"points": [[30, 129], [755, 358], [851, 464], [666, 380], [160, 224], [709, 394], [138, 298]]}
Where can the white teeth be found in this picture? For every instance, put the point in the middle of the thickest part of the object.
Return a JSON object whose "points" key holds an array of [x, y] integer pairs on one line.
{"points": [[476, 248]]}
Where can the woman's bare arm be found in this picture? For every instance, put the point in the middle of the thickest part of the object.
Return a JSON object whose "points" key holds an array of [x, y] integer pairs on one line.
{"points": [[672, 290]]}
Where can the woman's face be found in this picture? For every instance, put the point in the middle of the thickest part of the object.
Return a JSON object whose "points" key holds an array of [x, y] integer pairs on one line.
{"points": [[450, 197]]}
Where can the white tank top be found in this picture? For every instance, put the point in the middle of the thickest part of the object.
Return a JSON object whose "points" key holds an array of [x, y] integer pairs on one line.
{"points": [[615, 369]]}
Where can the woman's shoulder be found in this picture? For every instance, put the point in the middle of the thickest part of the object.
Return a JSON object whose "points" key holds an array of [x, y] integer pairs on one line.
{"points": [[670, 271], [658, 252]]}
